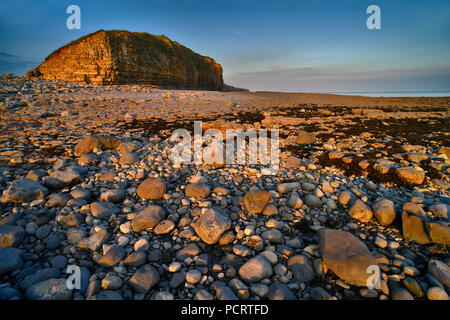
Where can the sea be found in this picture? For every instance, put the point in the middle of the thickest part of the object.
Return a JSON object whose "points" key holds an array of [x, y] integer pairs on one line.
{"points": [[397, 93]]}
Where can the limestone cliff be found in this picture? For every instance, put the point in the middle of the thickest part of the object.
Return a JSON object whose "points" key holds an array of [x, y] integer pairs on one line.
{"points": [[123, 57]]}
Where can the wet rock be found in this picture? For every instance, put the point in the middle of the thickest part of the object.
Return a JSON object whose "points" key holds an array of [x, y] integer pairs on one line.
{"points": [[59, 262], [36, 174], [43, 231], [177, 279]]}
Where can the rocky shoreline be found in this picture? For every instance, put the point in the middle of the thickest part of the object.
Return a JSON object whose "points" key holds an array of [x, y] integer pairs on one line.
{"points": [[87, 180]]}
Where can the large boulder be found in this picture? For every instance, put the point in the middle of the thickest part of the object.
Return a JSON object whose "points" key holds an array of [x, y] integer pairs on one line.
{"points": [[211, 225], [151, 189], [24, 190], [346, 256], [255, 201], [148, 218]]}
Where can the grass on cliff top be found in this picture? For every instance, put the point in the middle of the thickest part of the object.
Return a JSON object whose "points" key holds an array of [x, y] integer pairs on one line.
{"points": [[169, 48]]}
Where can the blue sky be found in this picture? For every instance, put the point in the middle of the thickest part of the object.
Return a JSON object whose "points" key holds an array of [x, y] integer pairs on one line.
{"points": [[310, 45]]}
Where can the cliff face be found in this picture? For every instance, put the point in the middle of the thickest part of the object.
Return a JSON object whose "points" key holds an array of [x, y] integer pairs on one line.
{"points": [[123, 57]]}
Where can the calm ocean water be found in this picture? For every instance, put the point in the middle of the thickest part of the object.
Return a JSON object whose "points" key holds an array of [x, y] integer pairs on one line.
{"points": [[408, 93]]}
